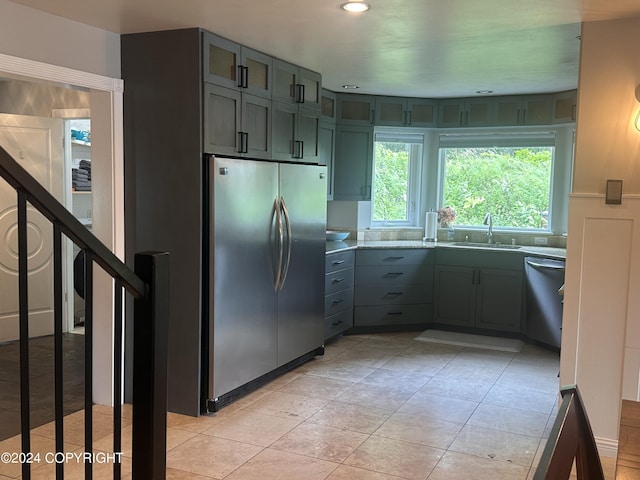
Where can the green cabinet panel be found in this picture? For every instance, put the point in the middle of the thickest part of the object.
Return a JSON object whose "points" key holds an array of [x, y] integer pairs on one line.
{"points": [[405, 112], [356, 109], [328, 106], [231, 65], [481, 290], [353, 163], [538, 110], [236, 123], [338, 305], [393, 287], [455, 295], [326, 152], [295, 133], [499, 303], [564, 106], [293, 84]]}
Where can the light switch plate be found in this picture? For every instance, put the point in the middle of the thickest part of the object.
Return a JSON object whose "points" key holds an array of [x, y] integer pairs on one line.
{"points": [[614, 192]]}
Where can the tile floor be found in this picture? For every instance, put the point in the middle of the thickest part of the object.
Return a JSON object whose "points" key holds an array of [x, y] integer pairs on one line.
{"points": [[375, 407]]}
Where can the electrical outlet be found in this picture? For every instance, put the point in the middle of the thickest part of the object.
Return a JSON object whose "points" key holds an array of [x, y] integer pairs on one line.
{"points": [[540, 241]]}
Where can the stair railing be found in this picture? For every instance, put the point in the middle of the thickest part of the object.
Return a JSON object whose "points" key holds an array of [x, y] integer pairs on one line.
{"points": [[148, 285]]}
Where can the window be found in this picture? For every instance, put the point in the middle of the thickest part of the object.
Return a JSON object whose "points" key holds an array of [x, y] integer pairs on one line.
{"points": [[396, 166], [508, 176]]}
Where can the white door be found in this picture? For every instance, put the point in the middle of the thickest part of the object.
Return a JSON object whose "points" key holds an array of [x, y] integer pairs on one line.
{"points": [[36, 143]]}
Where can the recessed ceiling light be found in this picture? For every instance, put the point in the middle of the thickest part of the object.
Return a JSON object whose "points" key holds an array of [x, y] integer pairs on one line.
{"points": [[350, 86], [484, 92], [355, 7]]}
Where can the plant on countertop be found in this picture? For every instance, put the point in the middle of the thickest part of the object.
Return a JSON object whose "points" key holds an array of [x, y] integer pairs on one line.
{"points": [[446, 216]]}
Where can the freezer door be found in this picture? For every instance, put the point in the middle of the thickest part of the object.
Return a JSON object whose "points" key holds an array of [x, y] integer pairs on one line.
{"points": [[243, 325], [303, 192]]}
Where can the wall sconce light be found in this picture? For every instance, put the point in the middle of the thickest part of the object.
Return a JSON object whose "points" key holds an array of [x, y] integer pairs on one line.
{"points": [[637, 122]]}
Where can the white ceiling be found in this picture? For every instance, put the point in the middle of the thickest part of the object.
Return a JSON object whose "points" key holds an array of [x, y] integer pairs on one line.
{"points": [[426, 48]]}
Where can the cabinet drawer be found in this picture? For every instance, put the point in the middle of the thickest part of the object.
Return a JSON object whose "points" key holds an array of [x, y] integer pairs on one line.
{"points": [[338, 323], [337, 302], [388, 315], [394, 274], [403, 256], [372, 294], [339, 280], [339, 261]]}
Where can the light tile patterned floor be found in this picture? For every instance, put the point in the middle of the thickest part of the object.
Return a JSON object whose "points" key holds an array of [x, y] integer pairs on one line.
{"points": [[375, 407]]}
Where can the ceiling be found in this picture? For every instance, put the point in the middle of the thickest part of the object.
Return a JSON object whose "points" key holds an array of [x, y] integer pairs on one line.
{"points": [[423, 48]]}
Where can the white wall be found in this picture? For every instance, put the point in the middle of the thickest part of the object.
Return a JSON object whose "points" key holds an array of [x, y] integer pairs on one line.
{"points": [[35, 35], [35, 45], [601, 321]]}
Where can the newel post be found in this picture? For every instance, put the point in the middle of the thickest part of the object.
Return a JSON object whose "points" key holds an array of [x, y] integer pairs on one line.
{"points": [[150, 337]]}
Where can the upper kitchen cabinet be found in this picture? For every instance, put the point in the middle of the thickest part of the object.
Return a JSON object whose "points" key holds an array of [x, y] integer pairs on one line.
{"points": [[328, 106], [326, 152], [236, 123], [537, 110], [295, 133], [496, 111], [296, 85], [233, 66], [564, 107], [356, 109], [405, 112], [353, 163]]}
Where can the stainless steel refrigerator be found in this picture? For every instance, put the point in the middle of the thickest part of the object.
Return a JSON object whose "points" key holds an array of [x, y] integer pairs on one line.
{"points": [[266, 245]]}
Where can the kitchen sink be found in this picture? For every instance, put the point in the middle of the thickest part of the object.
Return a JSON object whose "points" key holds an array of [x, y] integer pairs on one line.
{"points": [[487, 245]]}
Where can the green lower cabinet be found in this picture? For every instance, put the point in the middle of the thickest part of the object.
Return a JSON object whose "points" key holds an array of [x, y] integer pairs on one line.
{"points": [[479, 298], [393, 288]]}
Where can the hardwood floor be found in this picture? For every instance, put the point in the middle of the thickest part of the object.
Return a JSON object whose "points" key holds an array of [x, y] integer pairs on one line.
{"points": [[41, 372]]}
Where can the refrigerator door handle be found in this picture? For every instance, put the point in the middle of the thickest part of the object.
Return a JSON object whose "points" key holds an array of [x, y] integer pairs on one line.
{"points": [[280, 246], [287, 220]]}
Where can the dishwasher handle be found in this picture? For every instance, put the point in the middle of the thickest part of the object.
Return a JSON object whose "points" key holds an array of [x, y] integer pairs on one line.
{"points": [[551, 266]]}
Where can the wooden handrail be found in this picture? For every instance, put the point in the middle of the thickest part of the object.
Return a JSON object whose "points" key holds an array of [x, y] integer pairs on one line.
{"points": [[571, 439]]}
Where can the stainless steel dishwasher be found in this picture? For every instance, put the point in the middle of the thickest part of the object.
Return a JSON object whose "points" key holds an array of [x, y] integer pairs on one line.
{"points": [[543, 279]]}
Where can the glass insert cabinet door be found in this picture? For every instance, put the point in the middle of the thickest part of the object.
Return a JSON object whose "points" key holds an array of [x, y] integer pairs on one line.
{"points": [[231, 65]]}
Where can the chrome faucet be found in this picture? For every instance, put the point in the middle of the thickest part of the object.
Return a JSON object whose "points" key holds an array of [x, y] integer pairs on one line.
{"points": [[489, 221]]}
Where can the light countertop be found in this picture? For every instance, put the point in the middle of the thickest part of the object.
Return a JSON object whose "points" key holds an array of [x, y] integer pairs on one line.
{"points": [[549, 252]]}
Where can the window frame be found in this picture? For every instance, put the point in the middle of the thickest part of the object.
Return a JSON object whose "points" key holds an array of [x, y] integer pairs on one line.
{"points": [[496, 139], [414, 182], [430, 185]]}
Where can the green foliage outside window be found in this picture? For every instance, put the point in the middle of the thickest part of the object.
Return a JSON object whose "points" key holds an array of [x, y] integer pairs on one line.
{"points": [[510, 183], [391, 181]]}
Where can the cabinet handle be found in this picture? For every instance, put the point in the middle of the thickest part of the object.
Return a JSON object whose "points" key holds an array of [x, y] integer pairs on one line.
{"points": [[337, 280], [337, 262], [240, 76], [393, 274], [409, 117], [394, 313], [245, 77], [299, 93], [240, 142], [372, 115], [340, 300], [394, 294], [394, 258], [336, 323], [245, 142], [573, 112], [461, 114], [524, 116], [298, 149]]}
